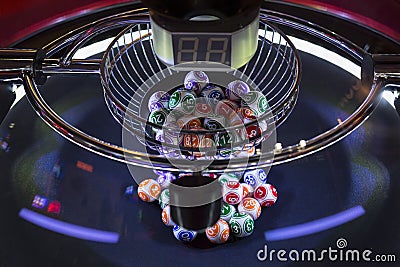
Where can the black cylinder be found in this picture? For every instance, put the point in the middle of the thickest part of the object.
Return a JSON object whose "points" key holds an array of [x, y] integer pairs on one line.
{"points": [[195, 202]]}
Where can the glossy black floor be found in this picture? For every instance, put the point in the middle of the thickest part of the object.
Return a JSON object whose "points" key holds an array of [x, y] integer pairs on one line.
{"points": [[361, 170]]}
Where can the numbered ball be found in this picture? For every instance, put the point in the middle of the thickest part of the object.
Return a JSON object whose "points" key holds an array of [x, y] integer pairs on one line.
{"points": [[266, 195], [236, 89], [223, 178], [218, 233], [232, 192], [195, 81], [158, 100], [149, 190], [255, 177], [214, 123], [166, 216], [250, 206], [227, 212], [241, 224], [225, 107], [203, 109], [182, 102], [158, 117], [163, 199], [165, 179], [247, 190], [212, 94], [256, 101], [183, 234]]}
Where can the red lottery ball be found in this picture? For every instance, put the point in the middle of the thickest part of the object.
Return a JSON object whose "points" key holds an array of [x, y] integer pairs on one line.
{"points": [[266, 195], [232, 192]]}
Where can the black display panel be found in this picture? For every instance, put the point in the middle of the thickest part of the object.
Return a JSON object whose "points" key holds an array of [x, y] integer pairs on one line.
{"points": [[190, 47]]}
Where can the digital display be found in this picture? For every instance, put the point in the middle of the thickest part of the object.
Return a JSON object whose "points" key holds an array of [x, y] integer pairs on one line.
{"points": [[202, 47]]}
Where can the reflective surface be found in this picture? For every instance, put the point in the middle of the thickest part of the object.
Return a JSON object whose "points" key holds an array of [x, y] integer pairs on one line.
{"points": [[360, 171]]}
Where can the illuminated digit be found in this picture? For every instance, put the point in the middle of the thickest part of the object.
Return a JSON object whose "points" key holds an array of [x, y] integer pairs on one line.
{"points": [[221, 52], [193, 51]]}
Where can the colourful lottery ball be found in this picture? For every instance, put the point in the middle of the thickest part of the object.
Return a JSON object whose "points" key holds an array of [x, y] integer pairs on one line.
{"points": [[149, 190], [247, 190], [203, 109], [166, 216], [241, 224], [214, 123], [225, 177], [266, 195], [165, 179], [212, 94], [232, 192], [158, 100], [183, 234], [158, 117], [255, 177], [182, 102], [225, 107], [163, 199], [256, 101], [227, 211], [250, 206], [236, 89], [218, 233], [195, 81]]}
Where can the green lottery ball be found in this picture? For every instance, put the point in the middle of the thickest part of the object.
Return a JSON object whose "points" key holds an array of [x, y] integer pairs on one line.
{"points": [[256, 101], [182, 101], [163, 199], [227, 177], [158, 117], [242, 224], [227, 212]]}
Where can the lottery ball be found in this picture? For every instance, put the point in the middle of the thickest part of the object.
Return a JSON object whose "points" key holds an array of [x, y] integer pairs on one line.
{"points": [[212, 94], [158, 100], [255, 177], [158, 117], [166, 216], [195, 81], [225, 107], [266, 195], [223, 178], [236, 89], [163, 199], [218, 233], [256, 101], [182, 102], [149, 190], [246, 152], [232, 192], [165, 179], [214, 123], [203, 109], [247, 190], [250, 206], [241, 224], [183, 234], [227, 212]]}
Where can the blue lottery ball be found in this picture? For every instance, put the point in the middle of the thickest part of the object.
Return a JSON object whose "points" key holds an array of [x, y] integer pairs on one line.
{"points": [[183, 234]]}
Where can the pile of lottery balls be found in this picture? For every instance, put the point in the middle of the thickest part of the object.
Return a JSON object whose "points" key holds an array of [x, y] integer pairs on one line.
{"points": [[244, 195], [199, 105]]}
